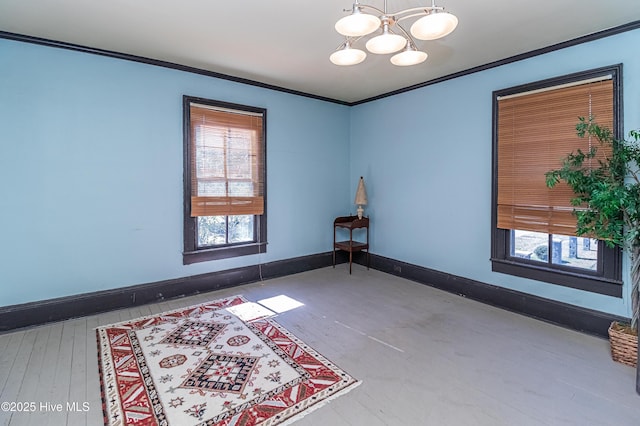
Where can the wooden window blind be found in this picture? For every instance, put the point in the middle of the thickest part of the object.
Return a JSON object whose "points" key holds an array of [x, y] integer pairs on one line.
{"points": [[535, 131], [227, 162]]}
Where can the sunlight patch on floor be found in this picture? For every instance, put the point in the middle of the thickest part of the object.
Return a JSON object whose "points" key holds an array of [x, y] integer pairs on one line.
{"points": [[280, 303], [250, 311]]}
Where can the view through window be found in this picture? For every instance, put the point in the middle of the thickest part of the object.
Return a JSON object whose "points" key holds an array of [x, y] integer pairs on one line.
{"points": [[569, 251]]}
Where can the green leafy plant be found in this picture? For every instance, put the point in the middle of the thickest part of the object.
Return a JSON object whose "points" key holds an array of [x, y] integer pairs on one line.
{"points": [[607, 190]]}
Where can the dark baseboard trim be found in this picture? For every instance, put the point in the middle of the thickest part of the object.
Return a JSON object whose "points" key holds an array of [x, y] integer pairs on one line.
{"points": [[42, 312], [562, 314], [281, 268], [59, 309]]}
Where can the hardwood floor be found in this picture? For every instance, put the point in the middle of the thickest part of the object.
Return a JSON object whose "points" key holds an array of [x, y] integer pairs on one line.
{"points": [[425, 357]]}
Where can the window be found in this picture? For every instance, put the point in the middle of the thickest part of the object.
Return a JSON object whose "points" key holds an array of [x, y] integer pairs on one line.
{"points": [[533, 226], [224, 180]]}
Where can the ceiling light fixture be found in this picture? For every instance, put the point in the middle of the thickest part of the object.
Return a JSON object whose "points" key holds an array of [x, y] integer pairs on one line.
{"points": [[434, 23], [409, 56], [346, 55]]}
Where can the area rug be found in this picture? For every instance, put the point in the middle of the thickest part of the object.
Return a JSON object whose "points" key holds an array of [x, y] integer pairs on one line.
{"points": [[202, 365]]}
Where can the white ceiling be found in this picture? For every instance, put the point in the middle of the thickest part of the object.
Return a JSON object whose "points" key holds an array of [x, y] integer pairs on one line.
{"points": [[287, 43]]}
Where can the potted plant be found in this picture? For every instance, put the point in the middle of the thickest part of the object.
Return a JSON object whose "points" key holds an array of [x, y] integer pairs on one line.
{"points": [[608, 192]]}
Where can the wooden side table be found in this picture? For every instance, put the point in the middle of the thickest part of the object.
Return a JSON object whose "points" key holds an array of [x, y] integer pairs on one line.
{"points": [[350, 245]]}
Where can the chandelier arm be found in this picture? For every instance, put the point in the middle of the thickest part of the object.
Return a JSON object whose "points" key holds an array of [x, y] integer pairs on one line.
{"points": [[363, 6], [354, 40], [424, 9], [406, 35], [424, 12], [348, 40]]}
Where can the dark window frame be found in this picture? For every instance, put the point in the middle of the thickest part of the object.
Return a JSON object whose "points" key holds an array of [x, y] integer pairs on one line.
{"points": [[607, 279], [192, 253]]}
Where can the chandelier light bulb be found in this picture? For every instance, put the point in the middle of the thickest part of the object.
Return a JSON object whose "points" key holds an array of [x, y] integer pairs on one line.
{"points": [[433, 26], [386, 42], [357, 24], [408, 57], [347, 56]]}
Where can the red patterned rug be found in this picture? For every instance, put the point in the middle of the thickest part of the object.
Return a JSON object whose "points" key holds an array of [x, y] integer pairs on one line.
{"points": [[202, 365]]}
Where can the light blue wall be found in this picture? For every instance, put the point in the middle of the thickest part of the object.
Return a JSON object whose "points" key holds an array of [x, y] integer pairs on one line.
{"points": [[91, 172], [426, 158]]}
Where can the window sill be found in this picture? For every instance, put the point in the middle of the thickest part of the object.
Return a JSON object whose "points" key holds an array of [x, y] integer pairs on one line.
{"points": [[591, 283], [204, 255]]}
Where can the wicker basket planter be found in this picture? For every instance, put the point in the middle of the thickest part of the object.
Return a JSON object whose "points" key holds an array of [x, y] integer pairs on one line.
{"points": [[624, 344]]}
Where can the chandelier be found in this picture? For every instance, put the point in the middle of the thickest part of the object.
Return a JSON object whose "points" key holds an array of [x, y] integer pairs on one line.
{"points": [[434, 23]]}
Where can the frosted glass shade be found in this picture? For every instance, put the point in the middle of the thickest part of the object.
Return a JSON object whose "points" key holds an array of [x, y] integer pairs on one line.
{"points": [[386, 43], [408, 57], [347, 56], [434, 26], [357, 24]]}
